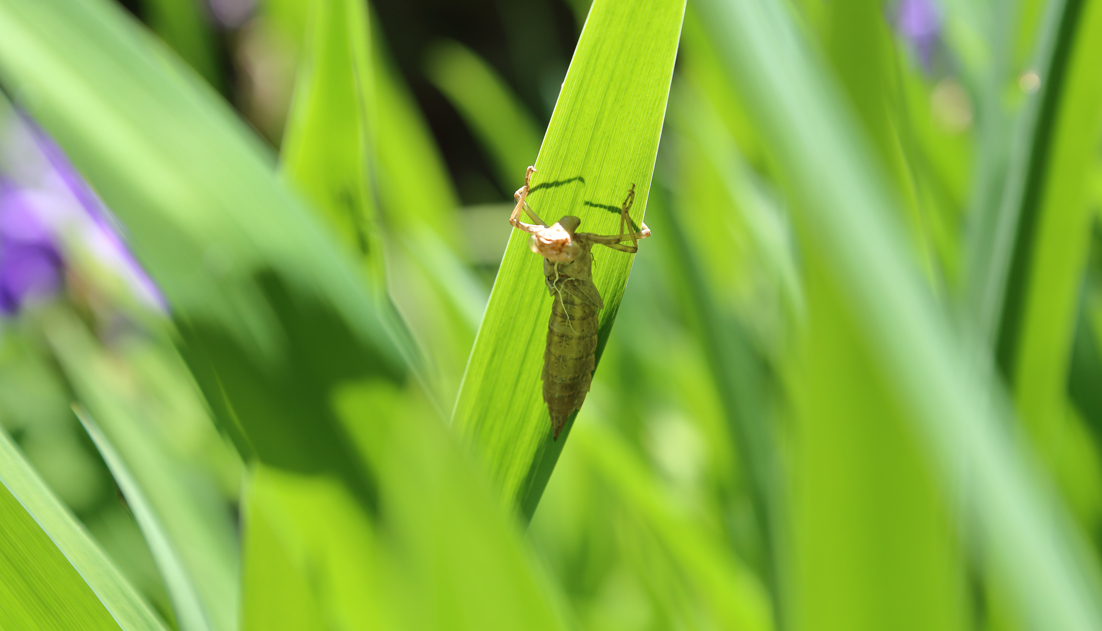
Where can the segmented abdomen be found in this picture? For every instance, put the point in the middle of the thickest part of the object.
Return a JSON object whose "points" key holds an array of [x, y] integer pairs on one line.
{"points": [[569, 359]]}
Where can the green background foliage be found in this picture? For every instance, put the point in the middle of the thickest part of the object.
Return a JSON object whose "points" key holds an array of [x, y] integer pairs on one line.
{"points": [[853, 385]]}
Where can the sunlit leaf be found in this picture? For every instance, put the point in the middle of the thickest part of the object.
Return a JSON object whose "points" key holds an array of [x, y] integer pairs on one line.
{"points": [[959, 410], [272, 313], [55, 576], [602, 139]]}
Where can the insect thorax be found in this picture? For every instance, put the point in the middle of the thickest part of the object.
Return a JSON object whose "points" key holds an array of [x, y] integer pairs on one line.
{"points": [[580, 268]]}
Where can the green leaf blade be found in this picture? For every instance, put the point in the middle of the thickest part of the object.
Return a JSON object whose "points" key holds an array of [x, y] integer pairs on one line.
{"points": [[958, 408], [272, 313], [602, 139], [326, 149], [1039, 322], [488, 106], [191, 612], [55, 576]]}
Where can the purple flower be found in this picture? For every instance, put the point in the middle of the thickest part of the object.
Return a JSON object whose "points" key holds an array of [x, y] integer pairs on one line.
{"points": [[231, 14], [30, 262], [50, 220], [919, 22]]}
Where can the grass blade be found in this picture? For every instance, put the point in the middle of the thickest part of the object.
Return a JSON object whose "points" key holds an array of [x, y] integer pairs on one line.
{"points": [[327, 147], [960, 411], [398, 568], [603, 137], [323, 544], [274, 592], [869, 519], [193, 609], [408, 157], [1053, 241], [55, 576], [1085, 368], [431, 284], [487, 104], [733, 595], [425, 481], [186, 27], [179, 510], [272, 314], [1000, 255], [743, 384]]}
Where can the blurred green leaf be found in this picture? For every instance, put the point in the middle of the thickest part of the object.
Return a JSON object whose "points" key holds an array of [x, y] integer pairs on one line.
{"points": [[733, 224], [181, 515], [327, 147], [602, 139], [1085, 368], [317, 549], [354, 140], [272, 313], [198, 605], [55, 576], [733, 595], [442, 302], [1085, 372], [274, 592], [958, 408], [312, 559], [871, 548], [487, 104], [1046, 274], [185, 26], [414, 186], [475, 573], [744, 385], [1000, 254], [430, 281], [732, 256], [860, 52]]}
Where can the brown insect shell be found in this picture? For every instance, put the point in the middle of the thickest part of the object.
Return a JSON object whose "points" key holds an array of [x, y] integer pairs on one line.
{"points": [[557, 243], [572, 330], [568, 260]]}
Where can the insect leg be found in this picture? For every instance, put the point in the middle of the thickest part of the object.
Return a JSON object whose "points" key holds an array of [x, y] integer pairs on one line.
{"points": [[627, 231], [520, 196]]}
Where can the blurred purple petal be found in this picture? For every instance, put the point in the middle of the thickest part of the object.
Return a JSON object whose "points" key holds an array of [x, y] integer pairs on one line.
{"points": [[231, 14], [20, 220], [100, 236], [63, 176], [49, 216], [27, 272], [919, 22]]}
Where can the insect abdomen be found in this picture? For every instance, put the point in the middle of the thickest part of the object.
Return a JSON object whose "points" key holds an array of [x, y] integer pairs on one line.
{"points": [[569, 359]]}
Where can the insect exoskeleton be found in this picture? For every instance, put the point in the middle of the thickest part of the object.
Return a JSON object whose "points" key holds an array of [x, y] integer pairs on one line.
{"points": [[569, 360]]}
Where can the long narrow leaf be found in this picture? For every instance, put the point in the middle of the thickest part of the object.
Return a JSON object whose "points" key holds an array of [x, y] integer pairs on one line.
{"points": [[398, 568], [475, 574], [272, 314], [274, 590], [1046, 275], [327, 148], [187, 28], [55, 576], [499, 120], [186, 523], [191, 612], [959, 410], [733, 596], [1001, 253], [602, 139]]}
